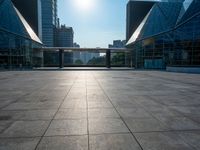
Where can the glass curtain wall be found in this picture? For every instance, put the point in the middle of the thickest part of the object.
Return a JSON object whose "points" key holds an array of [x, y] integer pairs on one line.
{"points": [[17, 52], [180, 47]]}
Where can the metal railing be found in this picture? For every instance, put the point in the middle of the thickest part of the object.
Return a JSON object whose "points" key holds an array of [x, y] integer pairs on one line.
{"points": [[108, 57]]}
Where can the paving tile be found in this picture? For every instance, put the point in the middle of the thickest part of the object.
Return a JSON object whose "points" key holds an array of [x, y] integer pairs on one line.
{"points": [[107, 125], [124, 103], [25, 129], [18, 143], [161, 141], [77, 113], [102, 113], [67, 127], [151, 102], [74, 104], [4, 103], [32, 105], [196, 119], [191, 111], [163, 111], [179, 123], [96, 97], [178, 100], [64, 143], [145, 125], [113, 142], [4, 124], [99, 104], [29, 114], [134, 113], [192, 138]]}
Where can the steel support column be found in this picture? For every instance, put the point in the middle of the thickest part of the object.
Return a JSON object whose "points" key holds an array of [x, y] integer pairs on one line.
{"points": [[108, 55], [61, 58]]}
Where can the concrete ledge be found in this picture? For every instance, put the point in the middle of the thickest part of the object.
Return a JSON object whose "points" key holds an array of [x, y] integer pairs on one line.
{"points": [[83, 69], [184, 69]]}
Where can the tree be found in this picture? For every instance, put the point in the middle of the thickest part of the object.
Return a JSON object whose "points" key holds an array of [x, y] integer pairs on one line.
{"points": [[97, 61], [78, 62], [118, 59]]}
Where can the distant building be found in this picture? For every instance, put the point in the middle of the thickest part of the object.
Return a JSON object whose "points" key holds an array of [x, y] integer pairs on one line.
{"points": [[64, 36], [117, 44]]}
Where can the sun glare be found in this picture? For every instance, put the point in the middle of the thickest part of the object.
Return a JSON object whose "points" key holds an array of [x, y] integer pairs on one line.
{"points": [[84, 5]]}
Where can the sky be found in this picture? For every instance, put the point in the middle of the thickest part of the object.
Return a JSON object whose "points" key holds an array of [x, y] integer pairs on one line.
{"points": [[96, 23]]}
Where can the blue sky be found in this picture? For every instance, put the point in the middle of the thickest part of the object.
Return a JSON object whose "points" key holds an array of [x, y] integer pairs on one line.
{"points": [[97, 26]]}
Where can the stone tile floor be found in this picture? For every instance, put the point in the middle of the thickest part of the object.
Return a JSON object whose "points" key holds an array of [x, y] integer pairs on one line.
{"points": [[99, 110]]}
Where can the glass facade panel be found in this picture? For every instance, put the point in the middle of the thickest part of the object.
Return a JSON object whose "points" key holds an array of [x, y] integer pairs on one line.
{"points": [[18, 52], [17, 40], [179, 47]]}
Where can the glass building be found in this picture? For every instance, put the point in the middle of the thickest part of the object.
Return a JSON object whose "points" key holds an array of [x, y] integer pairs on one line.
{"points": [[49, 22], [168, 35], [17, 39]]}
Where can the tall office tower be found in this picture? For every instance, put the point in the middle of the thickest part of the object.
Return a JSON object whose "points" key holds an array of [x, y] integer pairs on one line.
{"points": [[64, 36], [42, 17], [49, 21], [135, 13]]}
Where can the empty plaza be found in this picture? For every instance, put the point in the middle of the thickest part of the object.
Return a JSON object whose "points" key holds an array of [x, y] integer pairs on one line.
{"points": [[99, 110]]}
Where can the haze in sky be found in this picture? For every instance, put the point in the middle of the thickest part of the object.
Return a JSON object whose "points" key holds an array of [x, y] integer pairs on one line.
{"points": [[96, 23]]}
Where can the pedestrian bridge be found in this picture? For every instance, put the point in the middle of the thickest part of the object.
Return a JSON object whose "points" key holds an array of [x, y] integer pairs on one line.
{"points": [[125, 57]]}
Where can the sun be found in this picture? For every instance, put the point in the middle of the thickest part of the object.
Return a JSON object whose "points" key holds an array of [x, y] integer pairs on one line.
{"points": [[84, 5]]}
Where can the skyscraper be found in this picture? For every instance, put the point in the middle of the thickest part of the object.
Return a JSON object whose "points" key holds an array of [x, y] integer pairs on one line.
{"points": [[49, 21]]}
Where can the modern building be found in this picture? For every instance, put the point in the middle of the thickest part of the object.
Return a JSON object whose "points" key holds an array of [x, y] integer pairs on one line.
{"points": [[118, 44], [135, 12], [31, 10], [168, 34], [64, 36], [49, 22], [42, 17], [17, 39]]}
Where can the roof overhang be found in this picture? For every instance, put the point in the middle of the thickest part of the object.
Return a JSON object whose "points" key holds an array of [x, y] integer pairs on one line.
{"points": [[138, 9]]}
